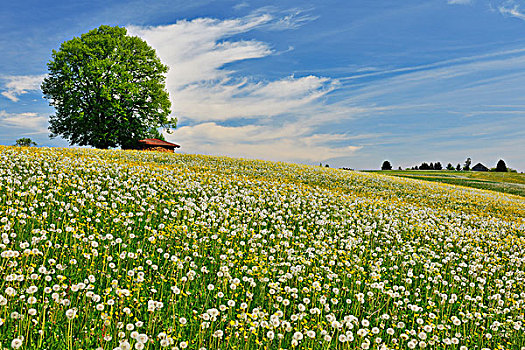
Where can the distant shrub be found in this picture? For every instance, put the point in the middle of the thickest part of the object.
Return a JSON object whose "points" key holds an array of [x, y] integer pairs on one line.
{"points": [[386, 165], [466, 167], [501, 166], [25, 142]]}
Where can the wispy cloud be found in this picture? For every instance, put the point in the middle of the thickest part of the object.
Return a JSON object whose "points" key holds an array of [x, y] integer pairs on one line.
{"points": [[200, 86], [205, 90], [470, 75], [230, 99], [287, 143], [460, 2], [372, 72], [512, 11], [194, 49], [241, 5], [31, 123], [470, 104], [293, 19], [288, 115], [17, 85]]}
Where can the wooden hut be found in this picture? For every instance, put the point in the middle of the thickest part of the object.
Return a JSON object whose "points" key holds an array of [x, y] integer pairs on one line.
{"points": [[157, 145]]}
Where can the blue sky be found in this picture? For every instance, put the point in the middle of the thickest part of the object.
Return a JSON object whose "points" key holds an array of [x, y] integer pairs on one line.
{"points": [[348, 83]]}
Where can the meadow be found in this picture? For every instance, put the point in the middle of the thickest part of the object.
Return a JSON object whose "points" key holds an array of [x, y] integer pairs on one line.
{"points": [[513, 183], [135, 250]]}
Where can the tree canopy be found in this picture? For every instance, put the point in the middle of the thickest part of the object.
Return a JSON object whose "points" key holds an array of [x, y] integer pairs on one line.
{"points": [[25, 142], [386, 165], [501, 166], [108, 90], [425, 166], [466, 167]]}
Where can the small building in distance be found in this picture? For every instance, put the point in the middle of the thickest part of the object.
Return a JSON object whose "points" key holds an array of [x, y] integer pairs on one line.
{"points": [[157, 145], [479, 167]]}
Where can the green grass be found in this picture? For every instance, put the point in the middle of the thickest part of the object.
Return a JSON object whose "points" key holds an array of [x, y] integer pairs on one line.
{"points": [[512, 183]]}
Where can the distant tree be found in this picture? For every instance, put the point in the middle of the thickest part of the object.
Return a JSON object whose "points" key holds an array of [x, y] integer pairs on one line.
{"points": [[458, 167], [501, 166], [424, 166], [108, 89], [327, 166], [25, 142], [431, 166], [466, 167], [450, 166], [399, 168], [416, 168], [386, 165], [438, 166]]}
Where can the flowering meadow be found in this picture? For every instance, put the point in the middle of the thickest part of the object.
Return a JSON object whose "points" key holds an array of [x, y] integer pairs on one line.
{"points": [[127, 250]]}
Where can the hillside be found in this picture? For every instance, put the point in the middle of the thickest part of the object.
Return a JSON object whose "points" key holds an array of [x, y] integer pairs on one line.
{"points": [[121, 249], [512, 183]]}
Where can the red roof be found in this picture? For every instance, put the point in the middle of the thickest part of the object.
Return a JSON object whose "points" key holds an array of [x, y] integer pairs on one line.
{"points": [[157, 142]]}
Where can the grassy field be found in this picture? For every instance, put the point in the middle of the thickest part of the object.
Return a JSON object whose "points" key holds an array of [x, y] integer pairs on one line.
{"points": [[513, 183], [133, 250]]}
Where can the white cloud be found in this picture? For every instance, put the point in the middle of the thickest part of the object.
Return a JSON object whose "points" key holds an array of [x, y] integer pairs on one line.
{"points": [[241, 5], [293, 20], [21, 84], [435, 65], [32, 123], [202, 89], [449, 78], [291, 142], [193, 51], [206, 91], [512, 11], [224, 100], [460, 2]]}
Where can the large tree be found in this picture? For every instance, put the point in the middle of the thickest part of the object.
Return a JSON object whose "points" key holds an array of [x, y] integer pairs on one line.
{"points": [[108, 90]]}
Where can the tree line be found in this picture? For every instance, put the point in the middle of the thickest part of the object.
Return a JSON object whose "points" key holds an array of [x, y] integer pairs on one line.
{"points": [[500, 166]]}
